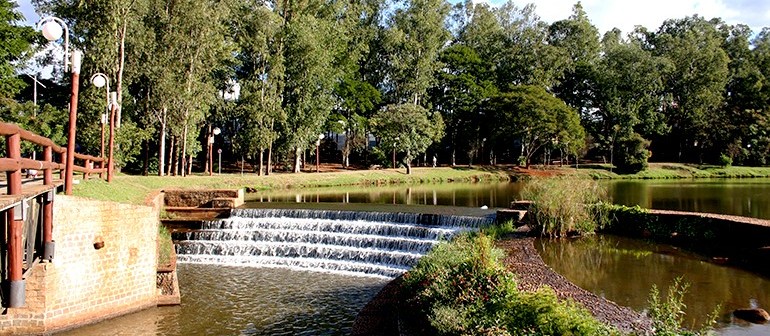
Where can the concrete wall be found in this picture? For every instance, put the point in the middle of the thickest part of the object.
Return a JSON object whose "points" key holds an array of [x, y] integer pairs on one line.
{"points": [[201, 197], [84, 284]]}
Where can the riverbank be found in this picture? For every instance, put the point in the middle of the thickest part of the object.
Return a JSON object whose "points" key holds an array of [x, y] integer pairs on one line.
{"points": [[669, 171], [135, 189]]}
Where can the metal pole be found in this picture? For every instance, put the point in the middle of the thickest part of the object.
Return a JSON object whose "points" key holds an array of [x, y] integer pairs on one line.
{"points": [[15, 219], [219, 162], [110, 160], [69, 167]]}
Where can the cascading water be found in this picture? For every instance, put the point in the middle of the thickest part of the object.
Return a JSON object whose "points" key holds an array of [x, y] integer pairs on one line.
{"points": [[356, 243]]}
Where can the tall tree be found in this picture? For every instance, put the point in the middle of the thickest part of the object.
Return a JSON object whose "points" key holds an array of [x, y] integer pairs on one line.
{"points": [[15, 41], [416, 35], [407, 128], [699, 75]]}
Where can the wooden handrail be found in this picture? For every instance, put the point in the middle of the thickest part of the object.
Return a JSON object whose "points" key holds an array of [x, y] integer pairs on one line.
{"points": [[10, 129]]}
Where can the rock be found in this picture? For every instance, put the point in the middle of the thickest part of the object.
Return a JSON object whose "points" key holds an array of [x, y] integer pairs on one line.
{"points": [[520, 205], [756, 315]]}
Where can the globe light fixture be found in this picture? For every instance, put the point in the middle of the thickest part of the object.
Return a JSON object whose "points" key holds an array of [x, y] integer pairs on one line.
{"points": [[53, 28]]}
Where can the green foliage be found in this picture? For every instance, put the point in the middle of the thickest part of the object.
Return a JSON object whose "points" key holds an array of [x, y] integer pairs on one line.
{"points": [[536, 118], [668, 313], [165, 246], [407, 127], [462, 288], [564, 205], [725, 161], [631, 154], [15, 41], [499, 230]]}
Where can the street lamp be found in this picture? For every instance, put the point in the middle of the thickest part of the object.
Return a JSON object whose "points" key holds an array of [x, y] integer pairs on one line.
{"points": [[101, 80], [52, 29], [216, 131], [317, 152]]}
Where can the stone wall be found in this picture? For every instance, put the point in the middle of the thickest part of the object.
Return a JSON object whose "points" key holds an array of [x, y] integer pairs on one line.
{"points": [[85, 284], [202, 197]]}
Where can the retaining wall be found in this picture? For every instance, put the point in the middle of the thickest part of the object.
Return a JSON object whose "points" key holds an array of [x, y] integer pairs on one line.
{"points": [[86, 283]]}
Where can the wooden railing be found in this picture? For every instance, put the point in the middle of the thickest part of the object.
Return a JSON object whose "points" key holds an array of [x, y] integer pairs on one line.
{"points": [[25, 211], [11, 163]]}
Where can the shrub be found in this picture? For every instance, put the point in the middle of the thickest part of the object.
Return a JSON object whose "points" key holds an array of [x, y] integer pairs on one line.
{"points": [[725, 161], [632, 154], [667, 315], [462, 288], [565, 205]]}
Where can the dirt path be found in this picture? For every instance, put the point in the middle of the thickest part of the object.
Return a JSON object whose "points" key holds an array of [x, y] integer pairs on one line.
{"points": [[532, 273]]}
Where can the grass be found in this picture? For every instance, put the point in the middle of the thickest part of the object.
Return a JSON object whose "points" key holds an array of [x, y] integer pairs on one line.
{"points": [[165, 246], [673, 171], [135, 189]]}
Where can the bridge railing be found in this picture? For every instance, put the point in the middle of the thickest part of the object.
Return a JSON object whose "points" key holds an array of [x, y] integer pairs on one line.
{"points": [[26, 214]]}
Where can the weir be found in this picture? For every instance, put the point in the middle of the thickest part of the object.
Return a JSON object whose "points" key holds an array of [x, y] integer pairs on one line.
{"points": [[378, 244]]}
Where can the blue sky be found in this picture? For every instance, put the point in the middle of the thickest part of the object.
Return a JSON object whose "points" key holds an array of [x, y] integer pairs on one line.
{"points": [[623, 14]]}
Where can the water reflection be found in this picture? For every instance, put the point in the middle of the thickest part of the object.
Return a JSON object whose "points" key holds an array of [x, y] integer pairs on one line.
{"points": [[223, 300], [623, 270], [454, 194], [743, 197]]}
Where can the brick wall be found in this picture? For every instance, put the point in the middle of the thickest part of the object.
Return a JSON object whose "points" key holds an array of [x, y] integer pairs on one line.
{"points": [[84, 284]]}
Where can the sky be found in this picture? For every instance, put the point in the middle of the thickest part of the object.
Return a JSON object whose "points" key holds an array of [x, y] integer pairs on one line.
{"points": [[623, 14]]}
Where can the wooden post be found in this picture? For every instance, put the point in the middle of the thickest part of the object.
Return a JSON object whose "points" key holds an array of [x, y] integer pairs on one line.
{"points": [[48, 250], [101, 168], [62, 160], [15, 248], [70, 164], [87, 165]]}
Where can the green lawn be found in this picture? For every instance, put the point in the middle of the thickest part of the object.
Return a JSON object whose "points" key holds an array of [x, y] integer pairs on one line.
{"points": [[135, 189], [674, 171]]}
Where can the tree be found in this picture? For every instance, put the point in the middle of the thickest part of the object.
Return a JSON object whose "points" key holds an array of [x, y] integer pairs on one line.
{"points": [[535, 118], [407, 128], [413, 41], [15, 44], [696, 82]]}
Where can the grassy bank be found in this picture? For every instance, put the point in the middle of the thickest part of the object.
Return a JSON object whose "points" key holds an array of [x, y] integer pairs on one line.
{"points": [[673, 171], [134, 189]]}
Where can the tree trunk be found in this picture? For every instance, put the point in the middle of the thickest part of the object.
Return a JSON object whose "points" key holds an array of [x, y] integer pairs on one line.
{"points": [[408, 162], [171, 155], [269, 160], [189, 166], [162, 146], [146, 165], [298, 153], [184, 150], [453, 157], [208, 151], [261, 162]]}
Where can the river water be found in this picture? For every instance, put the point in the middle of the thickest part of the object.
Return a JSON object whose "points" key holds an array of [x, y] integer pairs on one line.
{"points": [[230, 300]]}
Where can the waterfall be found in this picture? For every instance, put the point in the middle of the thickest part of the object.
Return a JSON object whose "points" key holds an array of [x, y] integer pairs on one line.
{"points": [[379, 244]]}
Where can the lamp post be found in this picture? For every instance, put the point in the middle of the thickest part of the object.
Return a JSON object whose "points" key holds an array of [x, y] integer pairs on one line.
{"points": [[52, 28], [101, 80], [318, 152], [113, 111], [216, 131]]}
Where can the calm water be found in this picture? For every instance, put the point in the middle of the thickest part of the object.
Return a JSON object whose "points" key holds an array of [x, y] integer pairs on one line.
{"points": [[743, 197], [623, 270], [224, 300]]}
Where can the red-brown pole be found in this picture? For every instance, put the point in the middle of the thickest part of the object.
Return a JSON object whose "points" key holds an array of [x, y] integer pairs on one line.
{"points": [[13, 150], [317, 158], [69, 167], [101, 151], [48, 208], [62, 160], [110, 161], [86, 174]]}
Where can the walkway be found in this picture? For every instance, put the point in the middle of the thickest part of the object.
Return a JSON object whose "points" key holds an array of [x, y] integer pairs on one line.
{"points": [[532, 273]]}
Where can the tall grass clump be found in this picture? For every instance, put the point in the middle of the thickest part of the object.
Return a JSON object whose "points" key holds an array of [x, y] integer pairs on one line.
{"points": [[668, 313], [463, 288], [165, 246], [562, 206]]}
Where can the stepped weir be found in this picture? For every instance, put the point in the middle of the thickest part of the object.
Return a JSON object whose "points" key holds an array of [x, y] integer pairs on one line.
{"points": [[377, 244]]}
